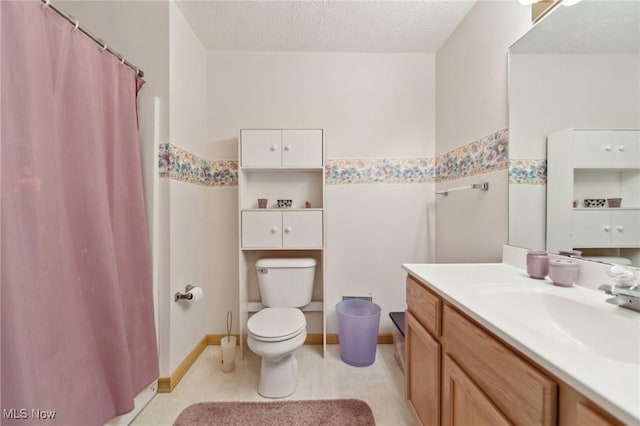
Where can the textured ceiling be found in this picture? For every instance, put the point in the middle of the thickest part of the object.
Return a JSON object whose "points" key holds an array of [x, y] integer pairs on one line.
{"points": [[335, 26], [591, 26]]}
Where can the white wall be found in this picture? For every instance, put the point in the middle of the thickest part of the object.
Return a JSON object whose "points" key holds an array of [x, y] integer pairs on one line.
{"points": [[471, 86], [189, 214], [371, 106], [552, 92]]}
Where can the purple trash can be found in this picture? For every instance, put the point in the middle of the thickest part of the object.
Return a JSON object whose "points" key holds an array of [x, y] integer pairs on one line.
{"points": [[358, 322]]}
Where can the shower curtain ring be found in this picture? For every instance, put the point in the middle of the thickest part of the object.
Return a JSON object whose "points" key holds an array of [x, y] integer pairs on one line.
{"points": [[45, 3], [76, 23], [104, 45], [122, 60]]}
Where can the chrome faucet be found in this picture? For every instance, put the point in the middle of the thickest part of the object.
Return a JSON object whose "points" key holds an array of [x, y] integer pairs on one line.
{"points": [[626, 289], [625, 297]]}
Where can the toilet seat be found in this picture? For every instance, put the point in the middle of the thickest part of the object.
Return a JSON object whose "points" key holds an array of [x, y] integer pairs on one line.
{"points": [[276, 324]]}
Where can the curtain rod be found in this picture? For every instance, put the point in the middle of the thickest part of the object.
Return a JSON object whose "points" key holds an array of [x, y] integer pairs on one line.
{"points": [[76, 24]]}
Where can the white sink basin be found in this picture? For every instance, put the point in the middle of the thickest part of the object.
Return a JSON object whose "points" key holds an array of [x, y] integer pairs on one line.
{"points": [[570, 315]]}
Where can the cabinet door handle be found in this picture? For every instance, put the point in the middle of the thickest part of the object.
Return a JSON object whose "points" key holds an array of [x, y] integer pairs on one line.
{"points": [[288, 229], [607, 147], [620, 228], [287, 147], [274, 229], [620, 148], [606, 228], [273, 147]]}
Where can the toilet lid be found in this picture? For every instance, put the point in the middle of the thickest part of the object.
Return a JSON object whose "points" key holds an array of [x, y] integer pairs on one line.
{"points": [[276, 323]]}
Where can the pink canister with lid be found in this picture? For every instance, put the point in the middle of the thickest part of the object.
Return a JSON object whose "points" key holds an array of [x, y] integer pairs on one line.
{"points": [[537, 264], [563, 272]]}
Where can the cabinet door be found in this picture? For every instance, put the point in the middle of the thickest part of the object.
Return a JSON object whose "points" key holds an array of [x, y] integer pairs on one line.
{"points": [[592, 228], [592, 148], [423, 354], [626, 148], [525, 395], [261, 148], [464, 403], [625, 230], [302, 229], [261, 229], [302, 148]]}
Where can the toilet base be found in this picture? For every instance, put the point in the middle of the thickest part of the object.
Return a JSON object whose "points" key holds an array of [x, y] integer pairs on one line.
{"points": [[278, 379]]}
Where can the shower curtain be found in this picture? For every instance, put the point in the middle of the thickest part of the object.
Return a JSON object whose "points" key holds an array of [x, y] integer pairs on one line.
{"points": [[78, 333]]}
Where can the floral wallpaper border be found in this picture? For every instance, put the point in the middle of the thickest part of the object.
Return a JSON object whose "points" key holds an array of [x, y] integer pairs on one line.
{"points": [[528, 172], [484, 155], [179, 164], [382, 170]]}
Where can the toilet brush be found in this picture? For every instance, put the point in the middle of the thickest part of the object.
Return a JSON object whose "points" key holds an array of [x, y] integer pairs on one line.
{"points": [[228, 348]]}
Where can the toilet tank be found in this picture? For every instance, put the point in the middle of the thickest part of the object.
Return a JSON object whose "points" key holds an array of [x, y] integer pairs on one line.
{"points": [[285, 283]]}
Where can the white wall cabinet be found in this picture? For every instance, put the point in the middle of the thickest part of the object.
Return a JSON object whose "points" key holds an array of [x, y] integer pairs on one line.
{"points": [[606, 148], [281, 164], [593, 163], [286, 229], [606, 228], [275, 148]]}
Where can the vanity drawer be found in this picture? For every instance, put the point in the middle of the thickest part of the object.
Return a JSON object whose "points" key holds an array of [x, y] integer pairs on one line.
{"points": [[518, 389], [424, 305]]}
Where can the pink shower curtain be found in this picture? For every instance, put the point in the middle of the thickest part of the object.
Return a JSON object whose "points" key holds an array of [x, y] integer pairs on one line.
{"points": [[78, 332]]}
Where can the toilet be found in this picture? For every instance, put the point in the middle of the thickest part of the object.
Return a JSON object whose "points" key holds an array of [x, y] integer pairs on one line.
{"points": [[276, 331]]}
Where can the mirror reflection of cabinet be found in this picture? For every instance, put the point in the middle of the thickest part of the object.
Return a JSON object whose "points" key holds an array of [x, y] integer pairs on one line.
{"points": [[593, 164]]}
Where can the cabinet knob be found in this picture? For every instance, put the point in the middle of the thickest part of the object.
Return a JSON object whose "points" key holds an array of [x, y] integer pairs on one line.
{"points": [[287, 147], [288, 229], [273, 147], [274, 229], [606, 228], [620, 228], [620, 148]]}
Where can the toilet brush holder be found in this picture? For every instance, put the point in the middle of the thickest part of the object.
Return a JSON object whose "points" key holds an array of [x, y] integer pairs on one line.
{"points": [[228, 346]]}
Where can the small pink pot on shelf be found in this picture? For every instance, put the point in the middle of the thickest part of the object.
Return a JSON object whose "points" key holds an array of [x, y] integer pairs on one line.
{"points": [[563, 272], [537, 264], [614, 202]]}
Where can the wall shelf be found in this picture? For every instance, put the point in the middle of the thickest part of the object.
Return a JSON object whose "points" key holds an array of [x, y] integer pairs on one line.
{"points": [[286, 164], [593, 164]]}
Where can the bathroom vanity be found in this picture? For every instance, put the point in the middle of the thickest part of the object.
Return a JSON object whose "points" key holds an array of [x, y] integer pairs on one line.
{"points": [[487, 345]]}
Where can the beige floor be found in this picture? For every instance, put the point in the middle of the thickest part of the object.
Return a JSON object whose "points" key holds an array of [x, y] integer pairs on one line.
{"points": [[381, 385]]}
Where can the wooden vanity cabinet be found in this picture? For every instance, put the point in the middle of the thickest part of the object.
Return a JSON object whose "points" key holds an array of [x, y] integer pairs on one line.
{"points": [[509, 388], [464, 403], [423, 353], [576, 410], [459, 374]]}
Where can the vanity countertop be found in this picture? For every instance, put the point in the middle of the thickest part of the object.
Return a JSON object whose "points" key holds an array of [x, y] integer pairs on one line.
{"points": [[572, 332]]}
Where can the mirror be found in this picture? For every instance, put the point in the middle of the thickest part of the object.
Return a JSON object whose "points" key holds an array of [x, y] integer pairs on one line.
{"points": [[577, 68]]}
